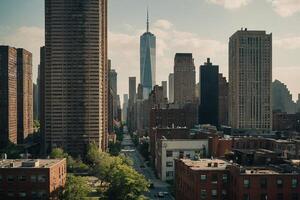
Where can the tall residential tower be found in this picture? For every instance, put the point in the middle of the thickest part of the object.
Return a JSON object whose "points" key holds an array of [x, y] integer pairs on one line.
{"points": [[76, 75], [250, 78]]}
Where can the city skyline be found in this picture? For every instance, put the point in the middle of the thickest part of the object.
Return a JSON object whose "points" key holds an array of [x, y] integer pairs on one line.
{"points": [[171, 29]]}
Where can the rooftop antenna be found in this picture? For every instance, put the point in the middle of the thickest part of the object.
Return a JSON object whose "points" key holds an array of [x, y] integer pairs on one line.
{"points": [[147, 19]]}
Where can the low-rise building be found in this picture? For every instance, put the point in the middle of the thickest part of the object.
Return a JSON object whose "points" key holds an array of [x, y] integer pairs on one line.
{"points": [[32, 179], [220, 180], [167, 150], [204, 179]]}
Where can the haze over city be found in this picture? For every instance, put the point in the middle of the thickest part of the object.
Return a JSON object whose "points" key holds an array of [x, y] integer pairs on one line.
{"points": [[202, 27]]}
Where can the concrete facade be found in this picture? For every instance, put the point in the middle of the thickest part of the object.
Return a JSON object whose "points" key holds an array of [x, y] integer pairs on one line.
{"points": [[250, 78], [76, 74], [184, 78]]}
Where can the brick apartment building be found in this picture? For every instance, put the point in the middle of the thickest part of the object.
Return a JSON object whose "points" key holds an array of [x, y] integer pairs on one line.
{"points": [[283, 121], [217, 179], [173, 115], [32, 179]]}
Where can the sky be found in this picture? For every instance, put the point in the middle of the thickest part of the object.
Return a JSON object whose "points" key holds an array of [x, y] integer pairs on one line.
{"points": [[201, 27]]}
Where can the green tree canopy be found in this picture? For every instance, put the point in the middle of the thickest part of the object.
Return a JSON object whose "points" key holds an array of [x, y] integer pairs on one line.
{"points": [[76, 188]]}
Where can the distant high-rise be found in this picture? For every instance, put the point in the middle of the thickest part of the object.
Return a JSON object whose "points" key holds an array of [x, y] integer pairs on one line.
{"points": [[41, 83], [171, 87], [250, 78], [131, 121], [282, 99], [209, 103], [113, 80], [164, 84], [8, 95], [223, 100], [184, 78], [132, 89], [125, 107], [76, 75], [25, 94], [147, 60], [298, 104]]}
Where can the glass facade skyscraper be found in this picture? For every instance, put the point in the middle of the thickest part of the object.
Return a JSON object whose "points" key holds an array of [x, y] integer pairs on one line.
{"points": [[147, 60]]}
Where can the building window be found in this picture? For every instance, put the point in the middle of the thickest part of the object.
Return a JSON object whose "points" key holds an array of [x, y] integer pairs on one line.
{"points": [[22, 178], [203, 177], [42, 193], [203, 194], [10, 178], [22, 194], [169, 173], [263, 183], [10, 194], [33, 178], [169, 153], [279, 183], [294, 183], [225, 178], [224, 193], [34, 194], [246, 197], [214, 193], [169, 164], [263, 197], [279, 196], [42, 178], [214, 178], [295, 196], [246, 183]]}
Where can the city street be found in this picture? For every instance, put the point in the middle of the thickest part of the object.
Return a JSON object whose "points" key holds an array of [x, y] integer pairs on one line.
{"points": [[129, 150]]}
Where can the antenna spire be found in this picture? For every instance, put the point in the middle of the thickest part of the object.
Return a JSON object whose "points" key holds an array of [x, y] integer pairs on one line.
{"points": [[147, 19]]}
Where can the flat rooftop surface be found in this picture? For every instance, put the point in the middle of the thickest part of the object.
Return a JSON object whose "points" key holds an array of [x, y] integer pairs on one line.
{"points": [[206, 164], [28, 163]]}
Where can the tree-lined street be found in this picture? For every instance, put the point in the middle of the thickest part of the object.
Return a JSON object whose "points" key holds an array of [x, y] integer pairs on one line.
{"points": [[129, 150]]}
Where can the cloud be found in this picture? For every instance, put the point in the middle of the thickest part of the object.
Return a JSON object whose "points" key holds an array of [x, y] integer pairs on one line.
{"points": [[288, 43], [230, 4], [285, 8], [30, 38], [124, 51]]}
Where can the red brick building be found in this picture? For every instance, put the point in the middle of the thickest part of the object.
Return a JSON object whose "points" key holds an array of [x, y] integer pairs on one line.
{"points": [[174, 116], [216, 179], [32, 179], [283, 121], [205, 179]]}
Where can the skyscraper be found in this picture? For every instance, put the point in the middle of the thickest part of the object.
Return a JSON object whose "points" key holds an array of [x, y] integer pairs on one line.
{"points": [[282, 99], [184, 78], [8, 95], [250, 78], [147, 60], [209, 103], [41, 80], [164, 84], [125, 107], [76, 75], [131, 121], [223, 100], [25, 94], [171, 87]]}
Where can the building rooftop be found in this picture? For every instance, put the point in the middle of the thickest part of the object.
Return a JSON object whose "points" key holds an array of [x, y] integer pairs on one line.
{"points": [[259, 171], [206, 164], [28, 163]]}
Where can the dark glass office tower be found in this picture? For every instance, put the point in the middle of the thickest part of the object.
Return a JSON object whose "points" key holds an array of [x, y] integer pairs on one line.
{"points": [[209, 94]]}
